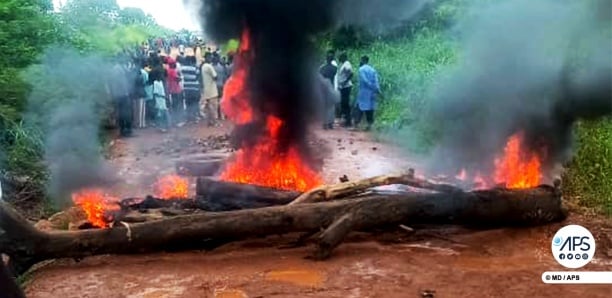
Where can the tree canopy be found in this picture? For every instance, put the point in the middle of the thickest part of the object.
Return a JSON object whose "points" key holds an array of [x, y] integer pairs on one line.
{"points": [[28, 28]]}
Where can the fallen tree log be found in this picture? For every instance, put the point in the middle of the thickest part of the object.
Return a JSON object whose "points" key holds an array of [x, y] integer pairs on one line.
{"points": [[496, 207], [213, 195]]}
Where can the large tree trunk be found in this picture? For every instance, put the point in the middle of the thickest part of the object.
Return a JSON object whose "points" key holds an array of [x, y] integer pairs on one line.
{"points": [[485, 208], [214, 195]]}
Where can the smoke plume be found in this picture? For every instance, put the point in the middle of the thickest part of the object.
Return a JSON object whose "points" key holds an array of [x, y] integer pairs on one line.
{"points": [[281, 75], [66, 102], [531, 66], [378, 16]]}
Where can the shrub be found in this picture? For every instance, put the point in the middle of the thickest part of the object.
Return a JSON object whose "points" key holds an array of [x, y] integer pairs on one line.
{"points": [[589, 175]]}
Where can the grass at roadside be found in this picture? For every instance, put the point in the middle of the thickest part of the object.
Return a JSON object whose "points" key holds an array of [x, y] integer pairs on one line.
{"points": [[588, 180]]}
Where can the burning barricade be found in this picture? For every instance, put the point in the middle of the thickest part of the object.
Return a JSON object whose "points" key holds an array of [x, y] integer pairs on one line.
{"points": [[268, 187]]}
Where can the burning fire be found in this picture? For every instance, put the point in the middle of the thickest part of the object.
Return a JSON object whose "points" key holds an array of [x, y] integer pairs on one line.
{"points": [[235, 103], [172, 187], [517, 169], [263, 163], [95, 203]]}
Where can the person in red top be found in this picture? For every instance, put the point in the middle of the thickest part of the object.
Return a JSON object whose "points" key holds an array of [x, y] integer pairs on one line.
{"points": [[176, 92]]}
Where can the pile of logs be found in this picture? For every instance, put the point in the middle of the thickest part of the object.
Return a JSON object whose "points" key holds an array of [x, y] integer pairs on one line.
{"points": [[224, 211]]}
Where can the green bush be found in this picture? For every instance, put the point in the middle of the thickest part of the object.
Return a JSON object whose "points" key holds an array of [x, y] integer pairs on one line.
{"points": [[588, 179]]}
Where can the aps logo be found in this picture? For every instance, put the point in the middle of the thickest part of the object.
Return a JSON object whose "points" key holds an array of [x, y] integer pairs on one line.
{"points": [[573, 246]]}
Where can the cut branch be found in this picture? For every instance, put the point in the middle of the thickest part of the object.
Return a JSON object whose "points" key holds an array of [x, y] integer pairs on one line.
{"points": [[330, 192], [333, 236], [486, 208]]}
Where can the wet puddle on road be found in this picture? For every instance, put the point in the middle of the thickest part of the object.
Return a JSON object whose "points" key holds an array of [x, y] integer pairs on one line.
{"points": [[304, 278], [496, 263], [230, 293]]}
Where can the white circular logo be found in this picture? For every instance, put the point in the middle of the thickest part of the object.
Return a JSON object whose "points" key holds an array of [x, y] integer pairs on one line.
{"points": [[573, 246]]}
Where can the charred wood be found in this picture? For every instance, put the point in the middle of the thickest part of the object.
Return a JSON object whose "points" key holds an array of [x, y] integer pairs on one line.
{"points": [[213, 195], [151, 202]]}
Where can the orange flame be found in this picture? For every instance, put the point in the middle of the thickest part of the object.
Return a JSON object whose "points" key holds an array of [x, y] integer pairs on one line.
{"points": [[263, 163], [235, 102], [172, 187], [515, 168], [95, 203]]}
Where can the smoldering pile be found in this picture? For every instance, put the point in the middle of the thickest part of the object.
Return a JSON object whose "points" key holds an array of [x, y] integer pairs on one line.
{"points": [[526, 66], [67, 102]]}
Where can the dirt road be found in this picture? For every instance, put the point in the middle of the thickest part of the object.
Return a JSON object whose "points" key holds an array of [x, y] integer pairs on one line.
{"points": [[442, 261]]}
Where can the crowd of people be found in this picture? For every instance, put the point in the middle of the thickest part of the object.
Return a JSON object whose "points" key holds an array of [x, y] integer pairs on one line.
{"points": [[340, 76], [154, 89]]}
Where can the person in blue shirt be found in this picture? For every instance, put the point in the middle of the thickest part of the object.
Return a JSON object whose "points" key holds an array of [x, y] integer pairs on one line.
{"points": [[369, 89]]}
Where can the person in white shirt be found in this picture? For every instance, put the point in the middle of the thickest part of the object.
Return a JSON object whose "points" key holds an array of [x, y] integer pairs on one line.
{"points": [[345, 85], [159, 95], [210, 93]]}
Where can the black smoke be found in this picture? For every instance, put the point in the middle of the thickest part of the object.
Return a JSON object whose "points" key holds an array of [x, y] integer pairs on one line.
{"points": [[531, 66], [281, 76], [280, 72]]}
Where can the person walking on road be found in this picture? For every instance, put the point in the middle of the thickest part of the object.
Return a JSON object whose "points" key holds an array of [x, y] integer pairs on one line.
{"points": [[369, 90]]}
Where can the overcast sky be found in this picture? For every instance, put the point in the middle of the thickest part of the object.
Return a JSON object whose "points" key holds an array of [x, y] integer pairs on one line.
{"points": [[168, 13]]}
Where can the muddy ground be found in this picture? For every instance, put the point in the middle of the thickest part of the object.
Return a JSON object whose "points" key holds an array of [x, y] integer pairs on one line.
{"points": [[429, 262]]}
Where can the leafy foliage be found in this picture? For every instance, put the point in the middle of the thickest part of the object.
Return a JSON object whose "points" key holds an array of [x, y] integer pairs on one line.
{"points": [[588, 177], [27, 30], [25, 27], [101, 25]]}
